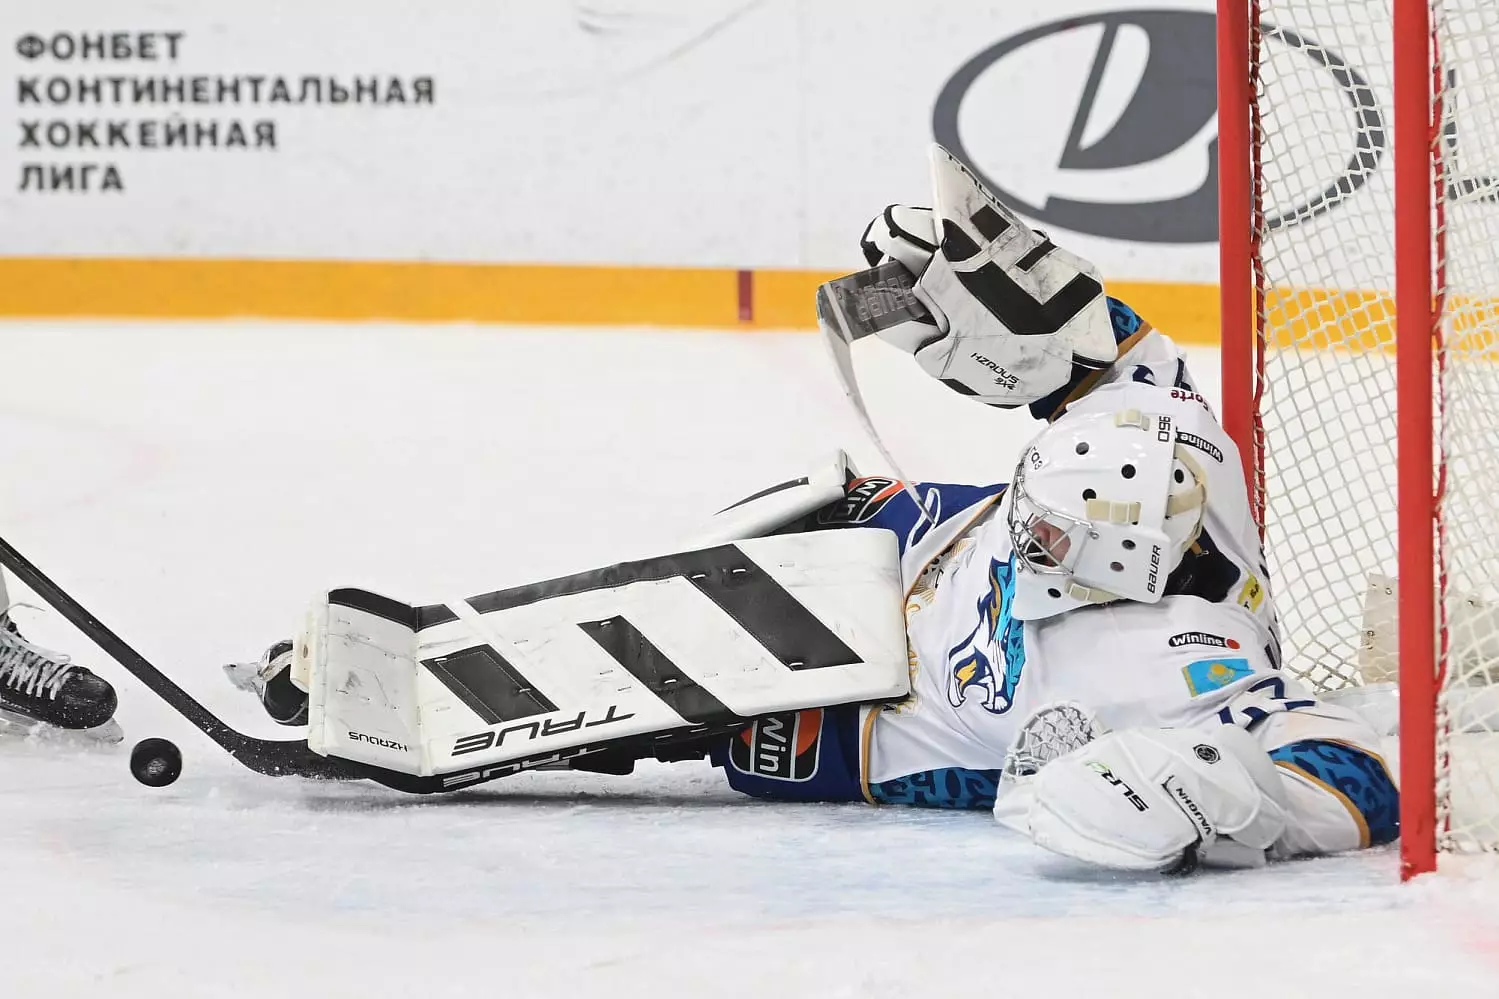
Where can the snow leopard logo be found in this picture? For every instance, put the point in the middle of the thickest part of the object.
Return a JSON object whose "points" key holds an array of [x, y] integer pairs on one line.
{"points": [[987, 664]]}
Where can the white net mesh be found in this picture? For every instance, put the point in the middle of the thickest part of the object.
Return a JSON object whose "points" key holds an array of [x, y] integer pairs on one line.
{"points": [[1328, 404]]}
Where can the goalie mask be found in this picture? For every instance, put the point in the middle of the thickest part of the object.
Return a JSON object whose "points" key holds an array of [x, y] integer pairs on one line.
{"points": [[1102, 507]]}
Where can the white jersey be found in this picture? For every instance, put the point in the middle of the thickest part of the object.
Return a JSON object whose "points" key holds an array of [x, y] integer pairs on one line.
{"points": [[1206, 654]]}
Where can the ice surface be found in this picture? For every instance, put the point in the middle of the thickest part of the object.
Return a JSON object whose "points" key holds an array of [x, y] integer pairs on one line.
{"points": [[195, 485]]}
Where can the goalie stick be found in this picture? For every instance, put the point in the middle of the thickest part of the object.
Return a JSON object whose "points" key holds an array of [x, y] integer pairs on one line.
{"points": [[860, 305], [870, 301], [273, 757]]}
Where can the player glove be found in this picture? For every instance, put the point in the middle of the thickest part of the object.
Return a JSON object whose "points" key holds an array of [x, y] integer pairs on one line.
{"points": [[1160, 800], [1011, 315], [907, 236]]}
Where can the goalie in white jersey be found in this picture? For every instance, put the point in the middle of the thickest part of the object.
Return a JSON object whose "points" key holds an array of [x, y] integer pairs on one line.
{"points": [[1092, 647], [1119, 575]]}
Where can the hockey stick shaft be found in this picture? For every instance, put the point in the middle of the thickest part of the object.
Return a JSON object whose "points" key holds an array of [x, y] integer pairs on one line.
{"points": [[266, 756], [860, 305]]}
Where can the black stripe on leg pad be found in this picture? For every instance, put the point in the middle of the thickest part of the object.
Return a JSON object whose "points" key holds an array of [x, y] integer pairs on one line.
{"points": [[726, 576], [491, 687], [374, 603], [648, 664], [432, 615], [764, 608]]}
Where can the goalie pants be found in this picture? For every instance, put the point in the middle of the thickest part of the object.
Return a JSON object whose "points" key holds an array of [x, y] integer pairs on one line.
{"points": [[818, 755]]}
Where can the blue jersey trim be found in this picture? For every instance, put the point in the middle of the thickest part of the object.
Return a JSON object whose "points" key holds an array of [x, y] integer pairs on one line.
{"points": [[1358, 777], [894, 510], [946, 787]]}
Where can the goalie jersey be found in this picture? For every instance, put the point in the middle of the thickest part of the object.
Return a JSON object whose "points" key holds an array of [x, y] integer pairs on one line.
{"points": [[1206, 655]]}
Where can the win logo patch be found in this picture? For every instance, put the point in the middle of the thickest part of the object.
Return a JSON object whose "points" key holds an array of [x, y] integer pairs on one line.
{"points": [[1207, 675], [863, 500], [780, 747]]}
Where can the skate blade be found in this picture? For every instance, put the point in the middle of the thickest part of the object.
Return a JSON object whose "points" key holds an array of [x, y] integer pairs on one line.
{"points": [[18, 726]]}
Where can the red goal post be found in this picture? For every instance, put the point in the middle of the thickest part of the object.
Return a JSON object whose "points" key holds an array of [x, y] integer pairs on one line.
{"points": [[1358, 186]]}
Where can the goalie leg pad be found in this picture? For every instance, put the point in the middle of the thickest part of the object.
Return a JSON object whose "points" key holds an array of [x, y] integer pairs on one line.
{"points": [[638, 654], [1160, 800], [779, 507]]}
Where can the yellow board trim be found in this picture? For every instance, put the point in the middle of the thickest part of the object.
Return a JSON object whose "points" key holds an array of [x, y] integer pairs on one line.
{"points": [[348, 290], [713, 298], [613, 295], [787, 300]]}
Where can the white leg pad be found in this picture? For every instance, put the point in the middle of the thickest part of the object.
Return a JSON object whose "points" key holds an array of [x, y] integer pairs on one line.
{"points": [[669, 646]]}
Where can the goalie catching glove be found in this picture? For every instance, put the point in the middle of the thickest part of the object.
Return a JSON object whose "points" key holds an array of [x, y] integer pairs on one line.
{"points": [[1154, 800], [1011, 313]]}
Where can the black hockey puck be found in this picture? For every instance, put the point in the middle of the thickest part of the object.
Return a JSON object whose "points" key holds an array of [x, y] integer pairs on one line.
{"points": [[156, 762]]}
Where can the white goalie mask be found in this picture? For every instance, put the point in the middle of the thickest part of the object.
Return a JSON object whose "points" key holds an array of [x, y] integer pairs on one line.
{"points": [[1102, 507]]}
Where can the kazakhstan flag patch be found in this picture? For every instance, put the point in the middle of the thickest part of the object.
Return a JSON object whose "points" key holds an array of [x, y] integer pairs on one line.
{"points": [[1207, 675]]}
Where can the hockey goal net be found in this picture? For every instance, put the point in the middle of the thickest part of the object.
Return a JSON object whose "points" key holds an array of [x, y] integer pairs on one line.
{"points": [[1359, 158]]}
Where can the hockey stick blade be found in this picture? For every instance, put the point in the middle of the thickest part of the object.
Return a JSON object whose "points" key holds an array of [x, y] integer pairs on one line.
{"points": [[273, 757], [869, 301]]}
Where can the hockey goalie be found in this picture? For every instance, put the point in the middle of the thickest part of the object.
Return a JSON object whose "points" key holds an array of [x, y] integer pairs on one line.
{"points": [[1088, 649]]}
